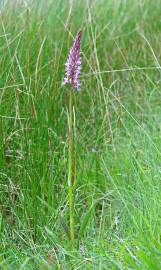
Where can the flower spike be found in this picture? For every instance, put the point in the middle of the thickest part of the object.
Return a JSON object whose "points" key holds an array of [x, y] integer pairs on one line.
{"points": [[73, 65]]}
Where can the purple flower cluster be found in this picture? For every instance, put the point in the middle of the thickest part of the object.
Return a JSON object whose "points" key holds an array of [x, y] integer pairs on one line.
{"points": [[73, 65]]}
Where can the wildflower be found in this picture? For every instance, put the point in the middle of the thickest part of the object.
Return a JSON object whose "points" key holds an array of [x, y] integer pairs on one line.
{"points": [[73, 65]]}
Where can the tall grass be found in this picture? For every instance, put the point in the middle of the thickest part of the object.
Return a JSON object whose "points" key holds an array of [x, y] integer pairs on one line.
{"points": [[117, 191]]}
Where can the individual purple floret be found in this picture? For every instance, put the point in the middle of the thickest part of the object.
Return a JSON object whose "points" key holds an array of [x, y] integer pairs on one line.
{"points": [[73, 65]]}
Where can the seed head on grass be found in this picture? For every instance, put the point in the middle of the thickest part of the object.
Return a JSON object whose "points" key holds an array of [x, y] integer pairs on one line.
{"points": [[73, 65]]}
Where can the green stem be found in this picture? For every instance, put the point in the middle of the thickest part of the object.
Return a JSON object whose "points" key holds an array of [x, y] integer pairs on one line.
{"points": [[70, 168]]}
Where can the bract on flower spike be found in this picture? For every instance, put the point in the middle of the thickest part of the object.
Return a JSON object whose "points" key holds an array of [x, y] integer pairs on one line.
{"points": [[73, 65]]}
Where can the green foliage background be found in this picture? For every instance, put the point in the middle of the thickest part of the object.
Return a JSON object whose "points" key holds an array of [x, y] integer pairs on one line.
{"points": [[118, 135]]}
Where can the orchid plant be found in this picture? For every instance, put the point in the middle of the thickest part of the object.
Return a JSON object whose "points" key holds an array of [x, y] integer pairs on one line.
{"points": [[72, 72]]}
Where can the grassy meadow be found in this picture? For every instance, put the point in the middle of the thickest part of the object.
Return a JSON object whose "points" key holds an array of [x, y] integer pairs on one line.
{"points": [[117, 130]]}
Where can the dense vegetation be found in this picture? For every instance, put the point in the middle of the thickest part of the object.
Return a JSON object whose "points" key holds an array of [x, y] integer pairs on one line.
{"points": [[117, 133]]}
